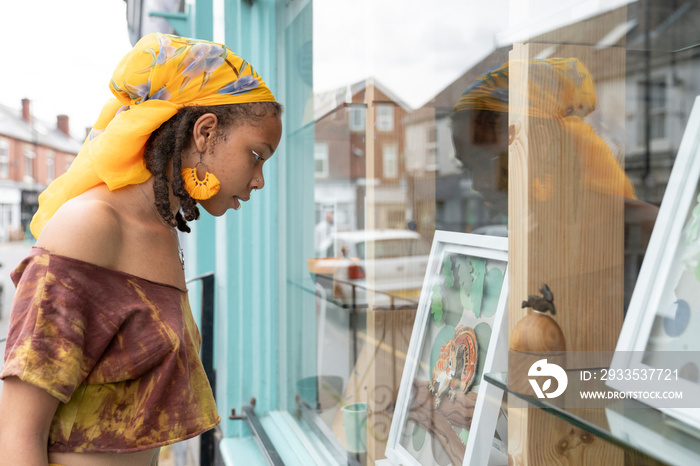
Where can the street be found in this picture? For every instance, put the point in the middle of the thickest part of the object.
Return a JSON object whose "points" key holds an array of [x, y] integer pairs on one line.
{"points": [[10, 255]]}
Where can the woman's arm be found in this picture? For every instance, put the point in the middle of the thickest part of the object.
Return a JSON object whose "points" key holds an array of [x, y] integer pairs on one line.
{"points": [[26, 412]]}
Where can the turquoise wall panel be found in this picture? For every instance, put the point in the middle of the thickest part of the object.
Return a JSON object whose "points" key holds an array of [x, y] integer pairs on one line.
{"points": [[296, 200], [265, 307], [203, 19]]}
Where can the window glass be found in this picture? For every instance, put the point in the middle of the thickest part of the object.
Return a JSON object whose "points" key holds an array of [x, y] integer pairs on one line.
{"points": [[321, 159], [4, 158], [29, 156], [385, 117], [50, 166], [390, 160], [356, 117], [496, 119]]}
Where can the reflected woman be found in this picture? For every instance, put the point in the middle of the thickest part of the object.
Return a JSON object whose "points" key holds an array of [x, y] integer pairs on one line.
{"points": [[560, 94], [558, 89]]}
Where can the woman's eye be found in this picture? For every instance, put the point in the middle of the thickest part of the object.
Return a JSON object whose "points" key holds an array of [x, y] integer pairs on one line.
{"points": [[258, 157]]}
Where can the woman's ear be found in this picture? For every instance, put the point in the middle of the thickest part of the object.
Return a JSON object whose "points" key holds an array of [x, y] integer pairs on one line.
{"points": [[204, 130]]}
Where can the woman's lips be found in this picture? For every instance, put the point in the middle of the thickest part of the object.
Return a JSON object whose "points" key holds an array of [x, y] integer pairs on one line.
{"points": [[238, 200]]}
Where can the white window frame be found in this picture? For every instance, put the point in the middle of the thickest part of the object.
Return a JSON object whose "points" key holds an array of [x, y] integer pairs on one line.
{"points": [[4, 158], [50, 166], [357, 117], [321, 152], [390, 161], [431, 148], [384, 117], [29, 157]]}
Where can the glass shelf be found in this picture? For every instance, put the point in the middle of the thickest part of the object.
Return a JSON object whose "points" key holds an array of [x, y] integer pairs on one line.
{"points": [[627, 423]]}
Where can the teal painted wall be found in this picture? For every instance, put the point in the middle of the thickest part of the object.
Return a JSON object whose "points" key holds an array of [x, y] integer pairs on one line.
{"points": [[265, 315], [298, 311], [203, 19]]}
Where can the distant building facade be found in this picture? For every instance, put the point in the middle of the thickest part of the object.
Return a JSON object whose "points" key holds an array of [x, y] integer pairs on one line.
{"points": [[349, 165], [32, 154], [643, 132]]}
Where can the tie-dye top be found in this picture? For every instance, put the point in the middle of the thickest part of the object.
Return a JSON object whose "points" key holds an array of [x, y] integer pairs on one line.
{"points": [[120, 353]]}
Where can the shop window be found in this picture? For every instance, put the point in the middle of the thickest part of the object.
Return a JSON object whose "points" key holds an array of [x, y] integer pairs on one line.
{"points": [[405, 181], [385, 117]]}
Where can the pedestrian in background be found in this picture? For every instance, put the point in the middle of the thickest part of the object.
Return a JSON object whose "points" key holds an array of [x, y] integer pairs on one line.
{"points": [[322, 231], [101, 362]]}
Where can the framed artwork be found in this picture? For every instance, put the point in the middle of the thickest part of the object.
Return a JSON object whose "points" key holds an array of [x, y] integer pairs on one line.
{"points": [[660, 331], [445, 412], [646, 431]]}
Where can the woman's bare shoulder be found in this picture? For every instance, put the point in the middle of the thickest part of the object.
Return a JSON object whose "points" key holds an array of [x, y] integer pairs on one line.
{"points": [[86, 228]]}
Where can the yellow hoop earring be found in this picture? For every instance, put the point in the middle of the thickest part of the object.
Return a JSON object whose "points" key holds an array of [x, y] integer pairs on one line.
{"points": [[200, 190]]}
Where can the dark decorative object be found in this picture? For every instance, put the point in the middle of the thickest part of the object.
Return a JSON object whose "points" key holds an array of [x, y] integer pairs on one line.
{"points": [[535, 337], [537, 331]]}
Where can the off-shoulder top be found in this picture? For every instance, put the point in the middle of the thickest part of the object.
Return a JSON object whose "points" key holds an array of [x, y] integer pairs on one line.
{"points": [[120, 353]]}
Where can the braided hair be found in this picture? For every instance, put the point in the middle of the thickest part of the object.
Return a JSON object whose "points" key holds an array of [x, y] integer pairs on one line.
{"points": [[173, 137]]}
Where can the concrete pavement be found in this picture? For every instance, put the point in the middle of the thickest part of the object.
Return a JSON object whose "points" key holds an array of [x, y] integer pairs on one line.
{"points": [[11, 254]]}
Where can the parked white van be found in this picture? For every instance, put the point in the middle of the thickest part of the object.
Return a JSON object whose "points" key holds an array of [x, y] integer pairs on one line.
{"points": [[386, 266]]}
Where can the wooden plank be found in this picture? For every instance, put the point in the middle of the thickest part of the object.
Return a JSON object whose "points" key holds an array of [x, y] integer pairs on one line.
{"points": [[567, 234], [551, 440]]}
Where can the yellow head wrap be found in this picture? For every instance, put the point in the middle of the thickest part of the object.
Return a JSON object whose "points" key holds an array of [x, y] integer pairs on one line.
{"points": [[161, 75], [557, 87], [560, 88]]}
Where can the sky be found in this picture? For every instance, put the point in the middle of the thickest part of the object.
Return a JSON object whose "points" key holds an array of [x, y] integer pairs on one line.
{"points": [[61, 53], [416, 48], [413, 47]]}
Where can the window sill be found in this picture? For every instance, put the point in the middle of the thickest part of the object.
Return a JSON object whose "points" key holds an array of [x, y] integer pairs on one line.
{"points": [[295, 442]]}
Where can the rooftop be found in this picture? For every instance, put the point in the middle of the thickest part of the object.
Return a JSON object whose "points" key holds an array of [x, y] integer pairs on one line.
{"points": [[37, 132]]}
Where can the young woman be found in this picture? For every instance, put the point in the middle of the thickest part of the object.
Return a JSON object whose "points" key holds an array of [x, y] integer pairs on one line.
{"points": [[101, 362]]}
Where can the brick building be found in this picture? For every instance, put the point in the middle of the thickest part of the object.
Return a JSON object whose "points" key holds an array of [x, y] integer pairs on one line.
{"points": [[32, 154], [348, 162]]}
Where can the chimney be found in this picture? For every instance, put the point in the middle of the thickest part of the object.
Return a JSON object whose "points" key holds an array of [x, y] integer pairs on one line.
{"points": [[26, 111], [62, 124]]}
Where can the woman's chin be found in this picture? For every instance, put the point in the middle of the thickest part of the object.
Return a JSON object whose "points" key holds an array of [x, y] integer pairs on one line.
{"points": [[214, 210]]}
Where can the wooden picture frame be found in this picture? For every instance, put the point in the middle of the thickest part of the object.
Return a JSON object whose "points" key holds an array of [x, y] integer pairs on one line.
{"points": [[460, 333], [661, 328]]}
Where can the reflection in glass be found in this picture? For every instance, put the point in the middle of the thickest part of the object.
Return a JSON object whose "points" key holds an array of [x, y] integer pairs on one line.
{"points": [[463, 299], [676, 324]]}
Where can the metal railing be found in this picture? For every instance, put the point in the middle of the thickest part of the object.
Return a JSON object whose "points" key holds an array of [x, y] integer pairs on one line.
{"points": [[353, 307], [266, 446], [207, 443], [354, 287]]}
